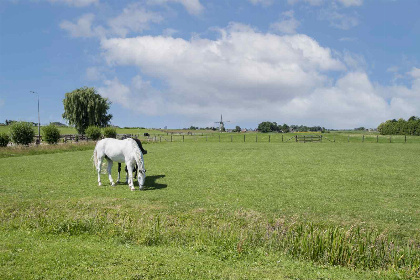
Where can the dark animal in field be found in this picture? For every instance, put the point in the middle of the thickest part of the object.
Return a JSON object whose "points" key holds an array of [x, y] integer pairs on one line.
{"points": [[135, 167]]}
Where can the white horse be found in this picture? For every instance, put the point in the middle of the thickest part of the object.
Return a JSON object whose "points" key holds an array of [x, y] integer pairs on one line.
{"points": [[125, 151]]}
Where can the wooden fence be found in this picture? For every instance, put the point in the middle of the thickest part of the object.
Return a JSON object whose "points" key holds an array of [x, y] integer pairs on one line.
{"points": [[253, 137]]}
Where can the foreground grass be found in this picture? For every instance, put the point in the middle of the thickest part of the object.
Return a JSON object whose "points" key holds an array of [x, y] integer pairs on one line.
{"points": [[243, 209]]}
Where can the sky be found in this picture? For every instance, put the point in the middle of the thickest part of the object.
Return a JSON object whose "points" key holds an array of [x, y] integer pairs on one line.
{"points": [[339, 64]]}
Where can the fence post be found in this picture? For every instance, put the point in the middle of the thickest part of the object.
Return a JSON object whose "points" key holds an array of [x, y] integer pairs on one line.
{"points": [[282, 138], [183, 138], [269, 138], [171, 137], [296, 138]]}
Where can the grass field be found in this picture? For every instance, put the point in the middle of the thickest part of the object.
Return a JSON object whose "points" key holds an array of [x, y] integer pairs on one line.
{"points": [[216, 211]]}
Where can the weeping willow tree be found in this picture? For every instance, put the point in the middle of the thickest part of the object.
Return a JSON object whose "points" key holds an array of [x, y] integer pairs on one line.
{"points": [[84, 107]]}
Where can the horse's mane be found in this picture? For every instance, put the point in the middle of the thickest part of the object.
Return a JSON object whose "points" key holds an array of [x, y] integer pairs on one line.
{"points": [[138, 154]]}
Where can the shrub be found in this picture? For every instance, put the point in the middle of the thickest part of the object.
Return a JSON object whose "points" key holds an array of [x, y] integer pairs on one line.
{"points": [[93, 132], [110, 132], [22, 133], [51, 134], [4, 139]]}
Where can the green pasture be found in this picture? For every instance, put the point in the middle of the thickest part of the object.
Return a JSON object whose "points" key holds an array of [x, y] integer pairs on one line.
{"points": [[228, 210]]}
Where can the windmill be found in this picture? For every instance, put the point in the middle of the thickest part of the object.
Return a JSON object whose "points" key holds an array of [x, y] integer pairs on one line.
{"points": [[221, 124]]}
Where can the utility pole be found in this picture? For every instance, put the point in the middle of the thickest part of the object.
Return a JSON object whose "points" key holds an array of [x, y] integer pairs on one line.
{"points": [[39, 120]]}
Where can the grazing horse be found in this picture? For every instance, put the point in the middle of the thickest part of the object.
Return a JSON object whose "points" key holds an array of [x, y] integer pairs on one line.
{"points": [[135, 167], [126, 151]]}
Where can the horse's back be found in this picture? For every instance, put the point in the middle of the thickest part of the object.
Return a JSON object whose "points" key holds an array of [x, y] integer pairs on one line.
{"points": [[114, 149]]}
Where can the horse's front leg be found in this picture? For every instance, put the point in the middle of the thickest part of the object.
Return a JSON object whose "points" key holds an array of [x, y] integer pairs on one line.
{"points": [[126, 174], [110, 163], [130, 176]]}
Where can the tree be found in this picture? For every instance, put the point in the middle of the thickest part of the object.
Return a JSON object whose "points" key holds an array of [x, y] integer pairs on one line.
{"points": [[4, 139], [284, 128], [110, 132], [22, 133], [267, 127], [402, 127], [84, 107], [237, 129], [93, 132], [51, 134]]}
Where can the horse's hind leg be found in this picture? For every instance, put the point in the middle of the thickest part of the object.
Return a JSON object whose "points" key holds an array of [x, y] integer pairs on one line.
{"points": [[99, 171], [119, 172], [110, 162]]}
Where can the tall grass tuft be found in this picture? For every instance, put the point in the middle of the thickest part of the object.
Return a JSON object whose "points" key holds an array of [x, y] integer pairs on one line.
{"points": [[232, 236]]}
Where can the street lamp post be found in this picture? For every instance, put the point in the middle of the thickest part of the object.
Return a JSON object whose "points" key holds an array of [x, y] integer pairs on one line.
{"points": [[39, 121]]}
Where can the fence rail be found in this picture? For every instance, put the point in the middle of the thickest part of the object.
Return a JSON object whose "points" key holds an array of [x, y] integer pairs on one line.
{"points": [[254, 137]]}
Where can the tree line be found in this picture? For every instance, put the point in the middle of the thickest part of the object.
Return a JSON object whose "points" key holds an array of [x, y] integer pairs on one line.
{"points": [[265, 127], [400, 127]]}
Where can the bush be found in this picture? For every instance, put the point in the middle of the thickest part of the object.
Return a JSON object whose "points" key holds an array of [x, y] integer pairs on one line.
{"points": [[4, 139], [93, 132], [110, 132], [51, 134], [22, 133]]}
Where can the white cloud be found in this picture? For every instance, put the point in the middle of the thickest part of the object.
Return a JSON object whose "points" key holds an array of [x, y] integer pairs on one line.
{"points": [[415, 73], [264, 3], [349, 3], [193, 7], [94, 74], [76, 3], [335, 12], [139, 96], [288, 24], [310, 2], [82, 27], [340, 20], [254, 77], [133, 18]]}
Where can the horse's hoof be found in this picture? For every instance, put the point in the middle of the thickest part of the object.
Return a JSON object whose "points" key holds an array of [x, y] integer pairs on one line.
{"points": [[133, 189], [141, 188], [99, 184], [112, 184]]}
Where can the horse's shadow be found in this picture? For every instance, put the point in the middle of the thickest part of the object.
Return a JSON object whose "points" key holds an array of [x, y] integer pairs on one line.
{"points": [[151, 184]]}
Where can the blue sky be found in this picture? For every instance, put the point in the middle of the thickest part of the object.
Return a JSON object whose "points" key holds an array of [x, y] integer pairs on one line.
{"points": [[177, 63]]}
